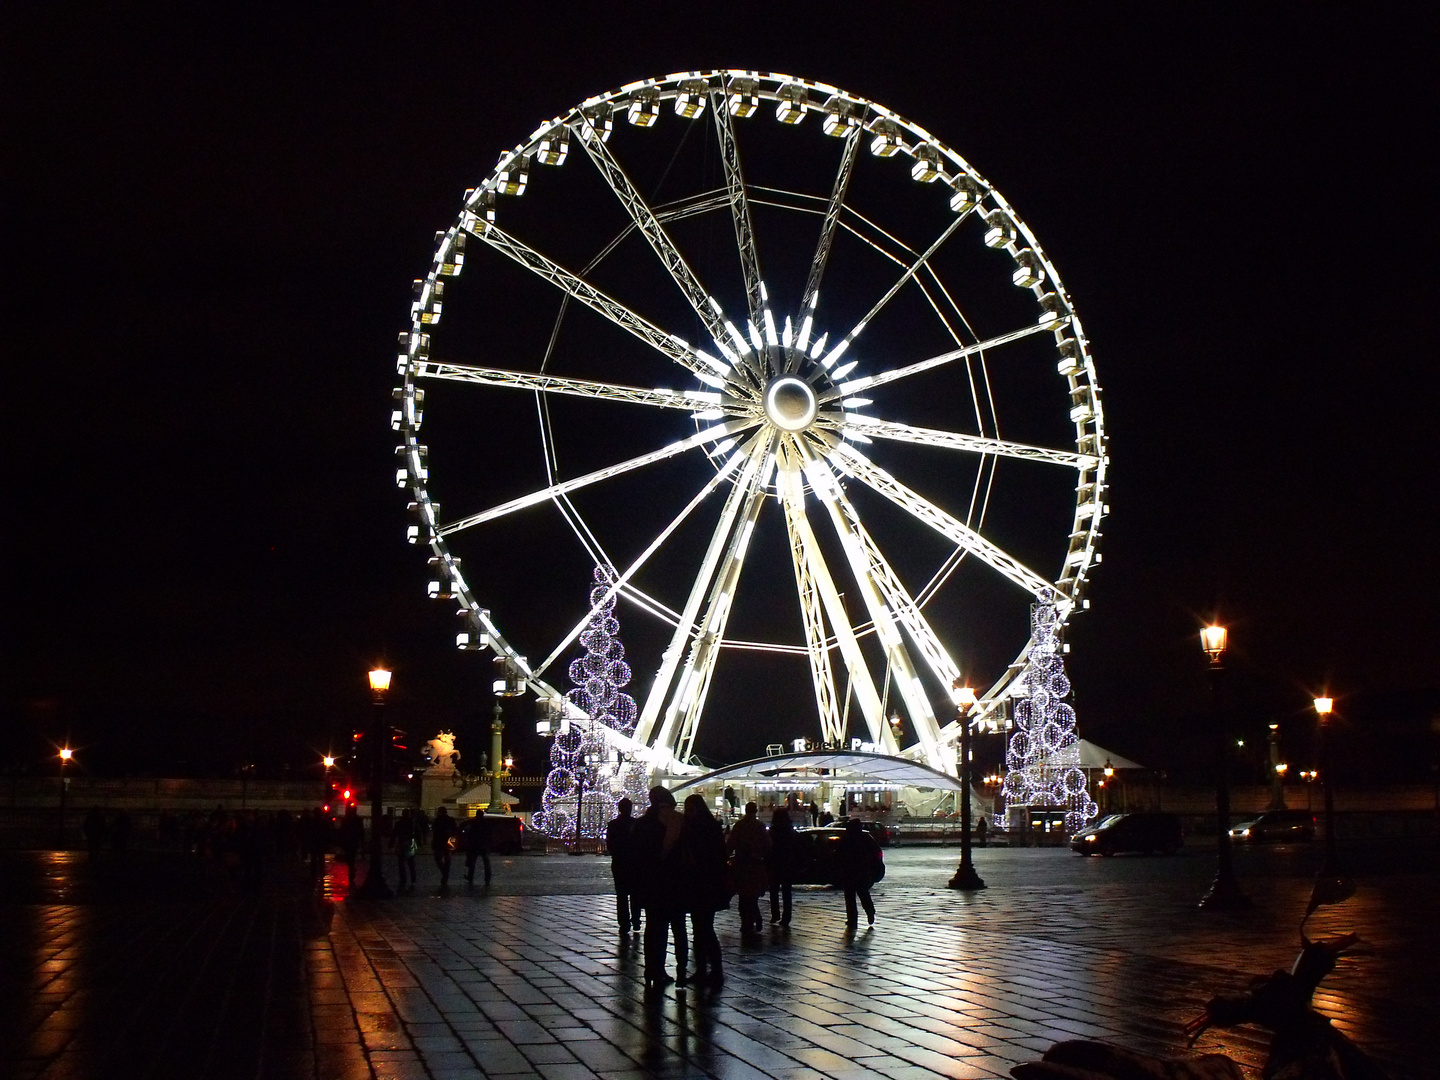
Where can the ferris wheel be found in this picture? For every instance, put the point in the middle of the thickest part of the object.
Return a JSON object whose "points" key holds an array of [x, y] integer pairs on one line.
{"points": [[756, 345]]}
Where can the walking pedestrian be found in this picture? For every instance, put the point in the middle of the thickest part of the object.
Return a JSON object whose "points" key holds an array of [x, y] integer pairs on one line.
{"points": [[814, 814], [702, 846], [857, 861], [783, 864], [352, 839], [406, 848], [477, 848], [657, 879], [620, 842], [747, 846], [442, 832]]}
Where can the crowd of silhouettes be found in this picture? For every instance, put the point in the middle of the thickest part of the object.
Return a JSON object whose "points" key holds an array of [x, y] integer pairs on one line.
{"points": [[673, 866]]}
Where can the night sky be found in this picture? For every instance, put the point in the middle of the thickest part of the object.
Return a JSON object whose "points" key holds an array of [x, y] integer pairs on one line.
{"points": [[212, 215]]}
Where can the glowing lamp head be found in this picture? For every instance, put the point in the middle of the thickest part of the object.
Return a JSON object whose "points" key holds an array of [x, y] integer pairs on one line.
{"points": [[379, 680], [329, 761], [1109, 769], [66, 754], [1324, 706], [1213, 640], [509, 761], [1282, 768], [964, 695]]}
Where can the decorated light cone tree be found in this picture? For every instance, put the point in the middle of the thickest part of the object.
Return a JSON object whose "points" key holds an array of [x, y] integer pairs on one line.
{"points": [[581, 758], [1043, 757]]}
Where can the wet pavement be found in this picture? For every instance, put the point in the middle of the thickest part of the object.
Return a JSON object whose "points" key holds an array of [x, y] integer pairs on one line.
{"points": [[159, 966]]}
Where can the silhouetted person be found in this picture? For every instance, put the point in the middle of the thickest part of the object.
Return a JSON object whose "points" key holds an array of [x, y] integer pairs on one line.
{"points": [[317, 842], [352, 839], [826, 817], [477, 848], [407, 846], [94, 830], [783, 863], [658, 883], [748, 845], [620, 842], [981, 831], [702, 861], [442, 831], [857, 858], [814, 814], [120, 832]]}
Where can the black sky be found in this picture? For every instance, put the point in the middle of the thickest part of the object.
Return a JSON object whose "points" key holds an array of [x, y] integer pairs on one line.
{"points": [[212, 215]]}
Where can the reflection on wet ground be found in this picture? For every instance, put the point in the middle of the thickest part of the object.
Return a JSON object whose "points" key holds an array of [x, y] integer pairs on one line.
{"points": [[162, 965]]}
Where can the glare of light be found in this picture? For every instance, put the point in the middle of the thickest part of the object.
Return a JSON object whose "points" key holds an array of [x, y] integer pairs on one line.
{"points": [[66, 753], [329, 761], [1213, 639], [379, 680], [1324, 706]]}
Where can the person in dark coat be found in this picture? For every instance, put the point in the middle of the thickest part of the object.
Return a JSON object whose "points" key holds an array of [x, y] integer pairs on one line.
{"points": [[620, 842], [441, 831], [856, 858], [702, 860], [783, 864], [477, 848], [814, 814], [658, 883], [407, 845], [352, 839], [747, 845]]}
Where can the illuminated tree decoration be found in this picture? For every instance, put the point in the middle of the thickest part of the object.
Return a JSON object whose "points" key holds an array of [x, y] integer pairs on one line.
{"points": [[581, 758], [1043, 756]]}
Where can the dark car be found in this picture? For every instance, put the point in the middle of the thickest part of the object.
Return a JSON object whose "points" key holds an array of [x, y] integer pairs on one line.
{"points": [[1276, 827], [819, 847], [1142, 833]]}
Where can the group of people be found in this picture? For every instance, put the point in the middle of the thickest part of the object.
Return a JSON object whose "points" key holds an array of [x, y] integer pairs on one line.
{"points": [[673, 865]]}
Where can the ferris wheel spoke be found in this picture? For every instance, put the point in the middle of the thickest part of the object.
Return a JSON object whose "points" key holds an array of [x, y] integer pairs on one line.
{"points": [[869, 382], [694, 684], [685, 628], [724, 333], [686, 400], [792, 490], [853, 463], [817, 646], [862, 559], [832, 217], [739, 205], [618, 585], [564, 487], [668, 344], [973, 444], [910, 271]]}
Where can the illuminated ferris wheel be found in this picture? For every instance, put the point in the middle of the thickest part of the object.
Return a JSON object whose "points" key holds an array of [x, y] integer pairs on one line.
{"points": [[758, 330]]}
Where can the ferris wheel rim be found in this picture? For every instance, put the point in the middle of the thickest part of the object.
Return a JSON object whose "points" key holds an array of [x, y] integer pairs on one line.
{"points": [[869, 117]]}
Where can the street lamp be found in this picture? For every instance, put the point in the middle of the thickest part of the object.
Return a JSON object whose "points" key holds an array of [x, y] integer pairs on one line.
{"points": [[507, 680], [66, 754], [965, 875], [375, 887], [1224, 894], [1324, 707], [1277, 774]]}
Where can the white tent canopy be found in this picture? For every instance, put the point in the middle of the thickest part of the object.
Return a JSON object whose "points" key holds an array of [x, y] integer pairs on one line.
{"points": [[1097, 757]]}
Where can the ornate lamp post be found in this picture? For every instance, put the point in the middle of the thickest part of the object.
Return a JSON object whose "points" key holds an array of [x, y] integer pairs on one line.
{"points": [[965, 875], [375, 887], [1324, 707], [507, 680], [1277, 771], [1224, 894], [66, 755]]}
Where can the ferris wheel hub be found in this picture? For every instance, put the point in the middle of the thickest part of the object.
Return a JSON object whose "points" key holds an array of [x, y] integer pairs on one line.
{"points": [[790, 403]]}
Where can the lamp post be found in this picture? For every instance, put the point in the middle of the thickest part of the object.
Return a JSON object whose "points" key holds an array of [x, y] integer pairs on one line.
{"points": [[66, 755], [375, 887], [329, 762], [1224, 894], [1277, 771], [965, 875], [507, 680], [1308, 775], [1324, 707]]}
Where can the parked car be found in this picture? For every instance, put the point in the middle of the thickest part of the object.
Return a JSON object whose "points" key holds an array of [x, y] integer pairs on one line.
{"points": [[1144, 833], [817, 866], [1276, 827]]}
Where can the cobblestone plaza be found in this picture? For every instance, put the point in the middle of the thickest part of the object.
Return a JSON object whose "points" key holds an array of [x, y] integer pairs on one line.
{"points": [[159, 967]]}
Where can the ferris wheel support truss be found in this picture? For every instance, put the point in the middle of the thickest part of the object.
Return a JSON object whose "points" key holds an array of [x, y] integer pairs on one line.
{"points": [[790, 463]]}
